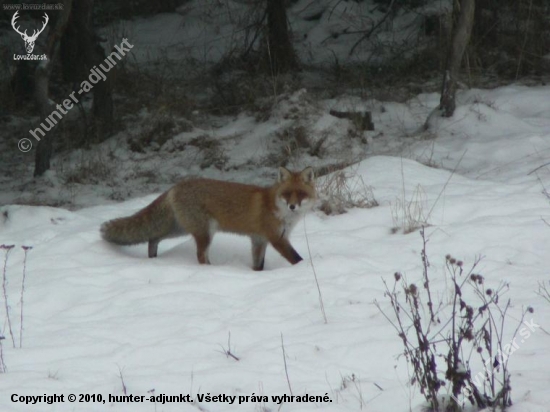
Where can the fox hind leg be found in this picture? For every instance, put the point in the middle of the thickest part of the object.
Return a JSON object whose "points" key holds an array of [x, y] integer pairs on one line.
{"points": [[203, 241], [259, 244], [153, 247]]}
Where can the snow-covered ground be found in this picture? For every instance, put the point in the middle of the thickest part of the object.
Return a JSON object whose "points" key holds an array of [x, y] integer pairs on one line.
{"points": [[99, 319]]}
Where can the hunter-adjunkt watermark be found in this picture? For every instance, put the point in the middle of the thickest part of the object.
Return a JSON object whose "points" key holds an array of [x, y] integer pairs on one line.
{"points": [[95, 76]]}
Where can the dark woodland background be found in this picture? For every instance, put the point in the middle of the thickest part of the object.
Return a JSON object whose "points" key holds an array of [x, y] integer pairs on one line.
{"points": [[477, 44]]}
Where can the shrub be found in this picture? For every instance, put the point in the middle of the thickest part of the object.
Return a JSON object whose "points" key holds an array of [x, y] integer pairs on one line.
{"points": [[442, 340]]}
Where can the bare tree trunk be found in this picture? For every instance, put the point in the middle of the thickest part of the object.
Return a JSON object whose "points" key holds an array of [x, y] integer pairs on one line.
{"points": [[22, 83], [44, 148], [463, 21], [280, 53], [80, 52], [42, 83]]}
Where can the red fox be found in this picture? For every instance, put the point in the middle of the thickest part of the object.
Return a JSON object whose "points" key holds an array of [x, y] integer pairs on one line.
{"points": [[200, 207]]}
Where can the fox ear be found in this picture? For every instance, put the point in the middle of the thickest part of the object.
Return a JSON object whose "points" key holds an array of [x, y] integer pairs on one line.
{"points": [[284, 174], [307, 175]]}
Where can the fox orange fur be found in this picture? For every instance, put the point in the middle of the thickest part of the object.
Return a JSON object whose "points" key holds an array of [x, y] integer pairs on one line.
{"points": [[200, 207]]}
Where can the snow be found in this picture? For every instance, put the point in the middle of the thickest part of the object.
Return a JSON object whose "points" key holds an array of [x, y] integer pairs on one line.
{"points": [[102, 319], [99, 318]]}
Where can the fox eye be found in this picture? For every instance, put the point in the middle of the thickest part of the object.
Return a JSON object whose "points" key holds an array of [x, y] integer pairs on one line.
{"points": [[299, 195]]}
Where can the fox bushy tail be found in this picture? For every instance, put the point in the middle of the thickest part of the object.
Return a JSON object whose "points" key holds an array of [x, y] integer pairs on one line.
{"points": [[155, 221]]}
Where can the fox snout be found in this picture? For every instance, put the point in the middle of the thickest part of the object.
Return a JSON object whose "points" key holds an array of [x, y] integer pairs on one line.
{"points": [[295, 202], [292, 206]]}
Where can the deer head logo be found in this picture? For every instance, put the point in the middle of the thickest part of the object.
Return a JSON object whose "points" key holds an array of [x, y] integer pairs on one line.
{"points": [[29, 40]]}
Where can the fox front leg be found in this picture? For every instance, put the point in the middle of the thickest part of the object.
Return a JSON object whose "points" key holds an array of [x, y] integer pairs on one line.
{"points": [[283, 246]]}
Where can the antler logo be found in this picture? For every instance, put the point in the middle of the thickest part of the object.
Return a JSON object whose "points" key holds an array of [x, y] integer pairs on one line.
{"points": [[29, 40]]}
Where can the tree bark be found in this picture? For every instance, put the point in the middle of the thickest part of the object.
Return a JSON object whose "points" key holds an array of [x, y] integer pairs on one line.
{"points": [[81, 51], [280, 53], [42, 84], [22, 83], [463, 21]]}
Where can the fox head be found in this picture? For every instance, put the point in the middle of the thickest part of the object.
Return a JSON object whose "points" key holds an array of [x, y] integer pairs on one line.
{"points": [[296, 190]]}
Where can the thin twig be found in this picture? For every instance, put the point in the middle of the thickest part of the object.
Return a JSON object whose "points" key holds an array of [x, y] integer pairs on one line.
{"points": [[445, 185], [425, 265], [7, 248], [403, 190], [540, 167], [26, 249], [124, 389], [369, 33], [2, 364], [321, 304], [522, 50], [259, 25], [286, 368], [228, 351]]}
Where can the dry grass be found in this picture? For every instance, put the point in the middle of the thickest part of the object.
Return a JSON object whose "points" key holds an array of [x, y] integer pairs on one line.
{"points": [[409, 215], [343, 190]]}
